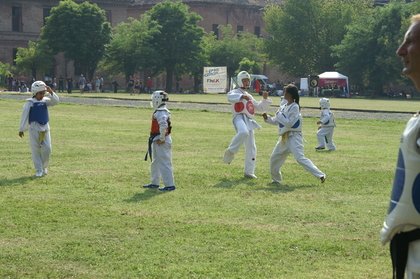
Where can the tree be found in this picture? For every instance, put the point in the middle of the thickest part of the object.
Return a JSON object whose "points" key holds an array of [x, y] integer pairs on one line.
{"points": [[367, 52], [80, 31], [34, 59], [231, 49], [178, 42], [129, 50], [301, 33]]}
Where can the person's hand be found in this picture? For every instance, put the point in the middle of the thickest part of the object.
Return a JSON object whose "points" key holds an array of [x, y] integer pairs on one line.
{"points": [[265, 95], [160, 141], [245, 97], [318, 122], [49, 90], [265, 116], [21, 134]]}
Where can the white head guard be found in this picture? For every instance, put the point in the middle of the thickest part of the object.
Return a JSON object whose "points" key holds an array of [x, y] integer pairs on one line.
{"points": [[158, 98], [38, 86], [242, 75], [324, 103]]}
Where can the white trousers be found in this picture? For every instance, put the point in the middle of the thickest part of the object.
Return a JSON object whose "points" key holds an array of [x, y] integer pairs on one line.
{"points": [[162, 164], [413, 260], [245, 136], [282, 149], [325, 137], [41, 148]]}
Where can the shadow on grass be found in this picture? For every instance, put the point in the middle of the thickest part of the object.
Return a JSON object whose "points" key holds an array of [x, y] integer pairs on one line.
{"points": [[143, 196], [271, 187], [229, 183], [16, 181]]}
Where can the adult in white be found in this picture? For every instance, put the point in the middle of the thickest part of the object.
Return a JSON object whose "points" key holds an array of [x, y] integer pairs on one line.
{"points": [[289, 120], [35, 116], [326, 126], [160, 144], [244, 106], [402, 224]]}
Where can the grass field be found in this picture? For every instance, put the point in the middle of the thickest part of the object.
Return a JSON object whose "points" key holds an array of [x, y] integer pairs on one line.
{"points": [[336, 103], [90, 217]]}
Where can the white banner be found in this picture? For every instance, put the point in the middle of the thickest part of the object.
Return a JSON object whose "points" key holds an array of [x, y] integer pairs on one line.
{"points": [[215, 79]]}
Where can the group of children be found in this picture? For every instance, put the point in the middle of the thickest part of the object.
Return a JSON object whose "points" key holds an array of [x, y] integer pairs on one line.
{"points": [[288, 119]]}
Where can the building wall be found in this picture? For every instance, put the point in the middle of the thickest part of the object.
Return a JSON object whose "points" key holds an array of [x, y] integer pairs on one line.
{"points": [[32, 19]]}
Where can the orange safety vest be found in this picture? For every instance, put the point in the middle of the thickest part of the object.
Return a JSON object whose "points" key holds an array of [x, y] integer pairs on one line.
{"points": [[155, 129]]}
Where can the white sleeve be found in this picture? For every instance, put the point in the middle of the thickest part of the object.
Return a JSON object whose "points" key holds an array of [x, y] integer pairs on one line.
{"points": [[162, 119], [24, 120], [262, 105], [234, 96], [325, 117], [52, 100]]}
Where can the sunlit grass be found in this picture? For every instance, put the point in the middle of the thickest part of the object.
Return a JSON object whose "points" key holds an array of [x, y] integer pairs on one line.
{"points": [[90, 217]]}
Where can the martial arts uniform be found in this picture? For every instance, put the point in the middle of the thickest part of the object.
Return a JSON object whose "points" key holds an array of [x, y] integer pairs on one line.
{"points": [[289, 120], [326, 130], [161, 153], [244, 123], [35, 116]]}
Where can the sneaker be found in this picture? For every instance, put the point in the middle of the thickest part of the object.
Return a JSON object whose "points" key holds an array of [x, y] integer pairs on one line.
{"points": [[45, 171], [319, 148], [39, 174], [151, 186], [167, 188], [323, 178], [228, 157], [252, 176]]}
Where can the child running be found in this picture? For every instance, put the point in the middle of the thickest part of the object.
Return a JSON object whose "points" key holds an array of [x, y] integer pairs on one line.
{"points": [[289, 120]]}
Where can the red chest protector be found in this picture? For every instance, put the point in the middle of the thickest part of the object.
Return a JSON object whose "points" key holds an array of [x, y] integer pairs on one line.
{"points": [[246, 107], [155, 129]]}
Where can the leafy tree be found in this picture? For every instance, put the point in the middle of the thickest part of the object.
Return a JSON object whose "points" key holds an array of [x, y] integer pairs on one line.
{"points": [[129, 50], [367, 52], [34, 59], [80, 31], [301, 33], [178, 42], [231, 49], [248, 65]]}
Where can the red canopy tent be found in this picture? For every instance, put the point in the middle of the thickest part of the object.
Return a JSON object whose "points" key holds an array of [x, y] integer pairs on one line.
{"points": [[333, 78]]}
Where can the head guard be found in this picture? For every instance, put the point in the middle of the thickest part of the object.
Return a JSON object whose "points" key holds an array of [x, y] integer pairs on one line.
{"points": [[242, 75], [324, 103], [158, 98], [38, 86]]}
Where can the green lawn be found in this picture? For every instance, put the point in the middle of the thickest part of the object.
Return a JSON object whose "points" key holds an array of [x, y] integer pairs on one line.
{"points": [[90, 217]]}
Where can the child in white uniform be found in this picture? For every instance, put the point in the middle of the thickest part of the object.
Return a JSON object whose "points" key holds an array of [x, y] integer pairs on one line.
{"points": [[289, 120], [160, 144], [244, 105], [35, 116], [326, 126]]}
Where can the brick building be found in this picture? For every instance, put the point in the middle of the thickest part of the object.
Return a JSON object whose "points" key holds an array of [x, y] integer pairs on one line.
{"points": [[22, 20]]}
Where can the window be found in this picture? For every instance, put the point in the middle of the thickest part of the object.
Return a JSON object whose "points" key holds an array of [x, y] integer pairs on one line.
{"points": [[17, 19], [257, 31], [46, 13], [239, 29], [215, 29]]}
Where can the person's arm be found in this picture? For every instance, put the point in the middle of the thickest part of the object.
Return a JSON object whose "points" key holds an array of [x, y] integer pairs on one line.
{"points": [[235, 96], [264, 104], [52, 99], [162, 119], [24, 119], [289, 119]]}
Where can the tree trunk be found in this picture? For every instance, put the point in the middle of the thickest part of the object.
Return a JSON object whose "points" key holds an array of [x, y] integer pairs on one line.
{"points": [[169, 77]]}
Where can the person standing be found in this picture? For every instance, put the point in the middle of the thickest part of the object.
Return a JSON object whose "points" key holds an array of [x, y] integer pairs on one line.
{"points": [[402, 224], [82, 83], [35, 116], [160, 144], [326, 125], [289, 120], [244, 106]]}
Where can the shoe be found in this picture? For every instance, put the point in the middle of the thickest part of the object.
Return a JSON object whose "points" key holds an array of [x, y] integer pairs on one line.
{"points": [[167, 188], [151, 186], [39, 174], [45, 171], [252, 176], [276, 182], [228, 157], [319, 148], [323, 178]]}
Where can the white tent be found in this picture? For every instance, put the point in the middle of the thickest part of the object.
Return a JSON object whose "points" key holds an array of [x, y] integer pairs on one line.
{"points": [[333, 78]]}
